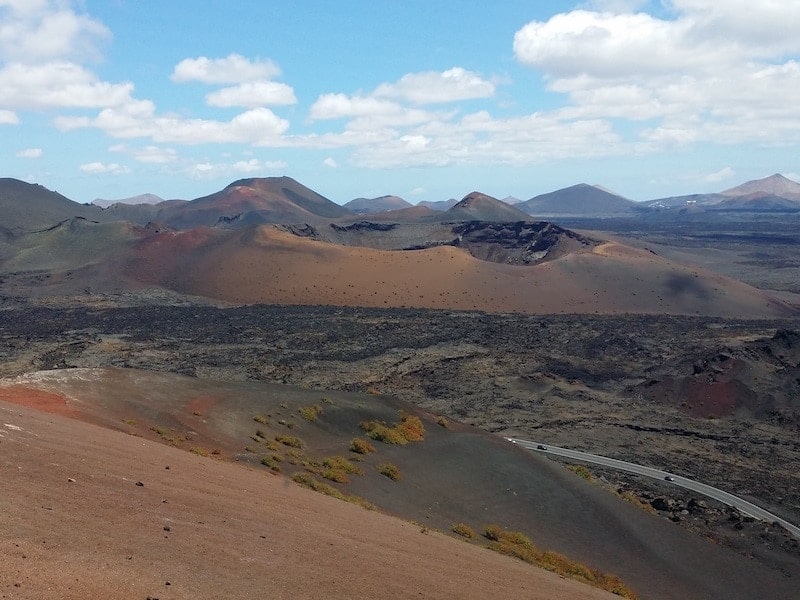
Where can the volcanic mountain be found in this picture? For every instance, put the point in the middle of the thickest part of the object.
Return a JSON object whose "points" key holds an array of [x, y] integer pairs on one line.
{"points": [[580, 200], [476, 206], [366, 206], [29, 207], [774, 185], [252, 201]]}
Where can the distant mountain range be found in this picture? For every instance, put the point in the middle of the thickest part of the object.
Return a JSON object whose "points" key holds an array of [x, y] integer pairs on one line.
{"points": [[29, 207], [275, 240]]}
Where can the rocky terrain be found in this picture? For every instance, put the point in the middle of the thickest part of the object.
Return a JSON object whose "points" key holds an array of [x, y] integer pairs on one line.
{"points": [[607, 385]]}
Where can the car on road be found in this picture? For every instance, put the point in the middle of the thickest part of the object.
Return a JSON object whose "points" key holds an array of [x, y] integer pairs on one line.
{"points": [[669, 478], [541, 447]]}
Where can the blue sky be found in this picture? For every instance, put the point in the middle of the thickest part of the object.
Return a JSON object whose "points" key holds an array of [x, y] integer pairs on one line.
{"points": [[425, 100]]}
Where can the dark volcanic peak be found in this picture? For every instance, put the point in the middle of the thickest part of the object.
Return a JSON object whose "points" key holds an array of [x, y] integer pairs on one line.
{"points": [[380, 204], [476, 206], [293, 191], [31, 207], [578, 200], [774, 185]]}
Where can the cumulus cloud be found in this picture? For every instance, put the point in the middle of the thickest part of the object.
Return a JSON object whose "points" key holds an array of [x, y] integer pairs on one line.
{"points": [[252, 95], [29, 153], [434, 87], [36, 30], [718, 72], [98, 168], [330, 162], [210, 170], [58, 84], [234, 68], [259, 126]]}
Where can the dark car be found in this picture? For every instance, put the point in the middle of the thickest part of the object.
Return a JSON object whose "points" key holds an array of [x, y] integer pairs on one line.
{"points": [[669, 478], [541, 447]]}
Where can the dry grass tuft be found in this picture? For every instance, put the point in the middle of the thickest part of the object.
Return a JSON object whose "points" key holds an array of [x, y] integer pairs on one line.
{"points": [[289, 440], [463, 530], [361, 446], [309, 481], [391, 471], [515, 543], [310, 413], [409, 429]]}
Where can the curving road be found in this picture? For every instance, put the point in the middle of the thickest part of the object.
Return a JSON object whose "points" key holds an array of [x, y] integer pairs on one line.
{"points": [[745, 507]]}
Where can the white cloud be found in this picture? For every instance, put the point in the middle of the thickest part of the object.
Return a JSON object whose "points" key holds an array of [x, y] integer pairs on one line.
{"points": [[433, 87], [37, 30], [253, 94], [30, 153], [154, 155], [209, 170], [234, 68], [254, 165], [259, 126], [8, 117], [96, 168], [716, 72], [721, 175], [330, 162], [58, 84]]}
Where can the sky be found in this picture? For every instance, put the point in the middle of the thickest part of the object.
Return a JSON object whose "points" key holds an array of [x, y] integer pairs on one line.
{"points": [[427, 100]]}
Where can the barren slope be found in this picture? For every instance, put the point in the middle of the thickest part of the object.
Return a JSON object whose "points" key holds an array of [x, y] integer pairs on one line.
{"points": [[93, 513], [273, 266]]}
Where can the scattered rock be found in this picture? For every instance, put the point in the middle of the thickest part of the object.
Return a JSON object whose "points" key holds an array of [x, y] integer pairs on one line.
{"points": [[140, 484]]}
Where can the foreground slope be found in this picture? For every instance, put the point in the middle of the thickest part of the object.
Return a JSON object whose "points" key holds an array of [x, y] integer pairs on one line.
{"points": [[91, 513], [454, 474]]}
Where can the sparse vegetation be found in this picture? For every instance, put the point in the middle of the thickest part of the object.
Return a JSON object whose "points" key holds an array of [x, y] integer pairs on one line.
{"points": [[409, 429], [515, 543], [309, 481], [168, 435], [337, 468], [272, 462], [391, 471], [442, 422], [361, 446], [581, 471], [261, 419], [310, 413], [463, 530], [289, 440], [200, 451], [261, 433]]}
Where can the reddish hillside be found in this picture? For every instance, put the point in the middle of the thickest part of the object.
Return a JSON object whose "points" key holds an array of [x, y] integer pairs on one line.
{"points": [[269, 265]]}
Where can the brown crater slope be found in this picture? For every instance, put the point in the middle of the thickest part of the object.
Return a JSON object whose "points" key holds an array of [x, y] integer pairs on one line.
{"points": [[216, 511], [270, 265], [524, 267]]}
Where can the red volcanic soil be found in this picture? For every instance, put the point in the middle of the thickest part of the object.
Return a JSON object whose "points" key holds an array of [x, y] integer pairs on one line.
{"points": [[104, 532], [93, 513], [268, 265]]}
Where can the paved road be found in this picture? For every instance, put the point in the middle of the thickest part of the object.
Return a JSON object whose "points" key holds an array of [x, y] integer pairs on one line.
{"points": [[745, 507]]}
